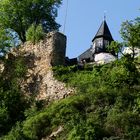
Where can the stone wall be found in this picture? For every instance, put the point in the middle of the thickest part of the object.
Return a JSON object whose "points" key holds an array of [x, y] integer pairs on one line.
{"points": [[58, 44], [39, 59]]}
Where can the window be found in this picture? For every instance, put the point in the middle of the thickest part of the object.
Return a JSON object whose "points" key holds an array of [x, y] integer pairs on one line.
{"points": [[106, 42], [100, 43]]}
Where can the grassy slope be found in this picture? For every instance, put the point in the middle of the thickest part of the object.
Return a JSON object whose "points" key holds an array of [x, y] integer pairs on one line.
{"points": [[107, 105]]}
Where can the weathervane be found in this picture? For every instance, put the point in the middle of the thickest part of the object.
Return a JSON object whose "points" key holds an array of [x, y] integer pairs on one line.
{"points": [[104, 15]]}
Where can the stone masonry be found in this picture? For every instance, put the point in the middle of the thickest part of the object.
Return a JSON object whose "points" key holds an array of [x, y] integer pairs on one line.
{"points": [[39, 59]]}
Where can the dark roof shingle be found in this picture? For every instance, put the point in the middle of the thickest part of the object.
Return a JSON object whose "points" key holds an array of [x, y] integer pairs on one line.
{"points": [[103, 32]]}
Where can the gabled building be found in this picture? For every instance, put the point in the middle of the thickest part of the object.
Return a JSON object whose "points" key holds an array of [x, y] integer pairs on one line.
{"points": [[100, 42]]}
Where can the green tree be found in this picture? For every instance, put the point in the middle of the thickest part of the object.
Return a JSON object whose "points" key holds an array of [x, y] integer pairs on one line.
{"points": [[12, 101], [6, 40], [116, 47], [130, 32], [20, 15]]}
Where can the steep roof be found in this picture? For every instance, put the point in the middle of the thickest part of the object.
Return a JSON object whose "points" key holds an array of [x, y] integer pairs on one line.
{"points": [[103, 32]]}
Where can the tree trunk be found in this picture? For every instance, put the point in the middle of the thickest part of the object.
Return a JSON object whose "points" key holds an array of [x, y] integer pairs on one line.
{"points": [[133, 52], [23, 36]]}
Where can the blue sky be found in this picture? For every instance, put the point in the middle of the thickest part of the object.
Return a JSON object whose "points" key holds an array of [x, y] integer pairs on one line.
{"points": [[85, 17]]}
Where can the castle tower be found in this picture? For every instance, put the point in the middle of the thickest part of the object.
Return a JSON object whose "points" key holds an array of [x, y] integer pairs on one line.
{"points": [[56, 47], [102, 38]]}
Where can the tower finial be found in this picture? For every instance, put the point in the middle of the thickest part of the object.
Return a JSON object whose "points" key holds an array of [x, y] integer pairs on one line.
{"points": [[104, 15]]}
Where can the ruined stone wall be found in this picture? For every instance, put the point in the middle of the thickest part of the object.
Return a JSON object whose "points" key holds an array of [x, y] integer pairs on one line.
{"points": [[39, 60], [58, 44]]}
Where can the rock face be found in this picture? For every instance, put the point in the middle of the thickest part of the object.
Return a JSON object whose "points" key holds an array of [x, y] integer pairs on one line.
{"points": [[39, 60]]}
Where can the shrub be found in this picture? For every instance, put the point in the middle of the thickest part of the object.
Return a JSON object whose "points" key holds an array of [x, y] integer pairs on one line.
{"points": [[35, 33], [15, 133]]}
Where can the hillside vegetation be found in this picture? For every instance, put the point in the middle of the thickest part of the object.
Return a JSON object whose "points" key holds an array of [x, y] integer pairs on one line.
{"points": [[106, 106]]}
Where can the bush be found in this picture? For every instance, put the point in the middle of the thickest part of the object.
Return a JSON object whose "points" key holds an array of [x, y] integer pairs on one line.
{"points": [[15, 133], [36, 127], [12, 101], [106, 106], [35, 33]]}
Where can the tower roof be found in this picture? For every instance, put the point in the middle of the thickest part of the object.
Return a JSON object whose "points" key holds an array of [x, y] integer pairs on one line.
{"points": [[103, 32]]}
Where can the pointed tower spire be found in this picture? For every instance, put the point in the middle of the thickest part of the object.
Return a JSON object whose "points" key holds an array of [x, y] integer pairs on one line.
{"points": [[102, 38], [103, 32]]}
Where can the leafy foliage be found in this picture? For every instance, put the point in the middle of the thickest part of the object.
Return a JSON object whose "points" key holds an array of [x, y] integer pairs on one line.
{"points": [[106, 105], [34, 34], [6, 40], [20, 15], [107, 102], [15, 133], [12, 102], [130, 32], [115, 47]]}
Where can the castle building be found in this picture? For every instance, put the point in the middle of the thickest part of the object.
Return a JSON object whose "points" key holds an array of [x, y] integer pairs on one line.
{"points": [[100, 42]]}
